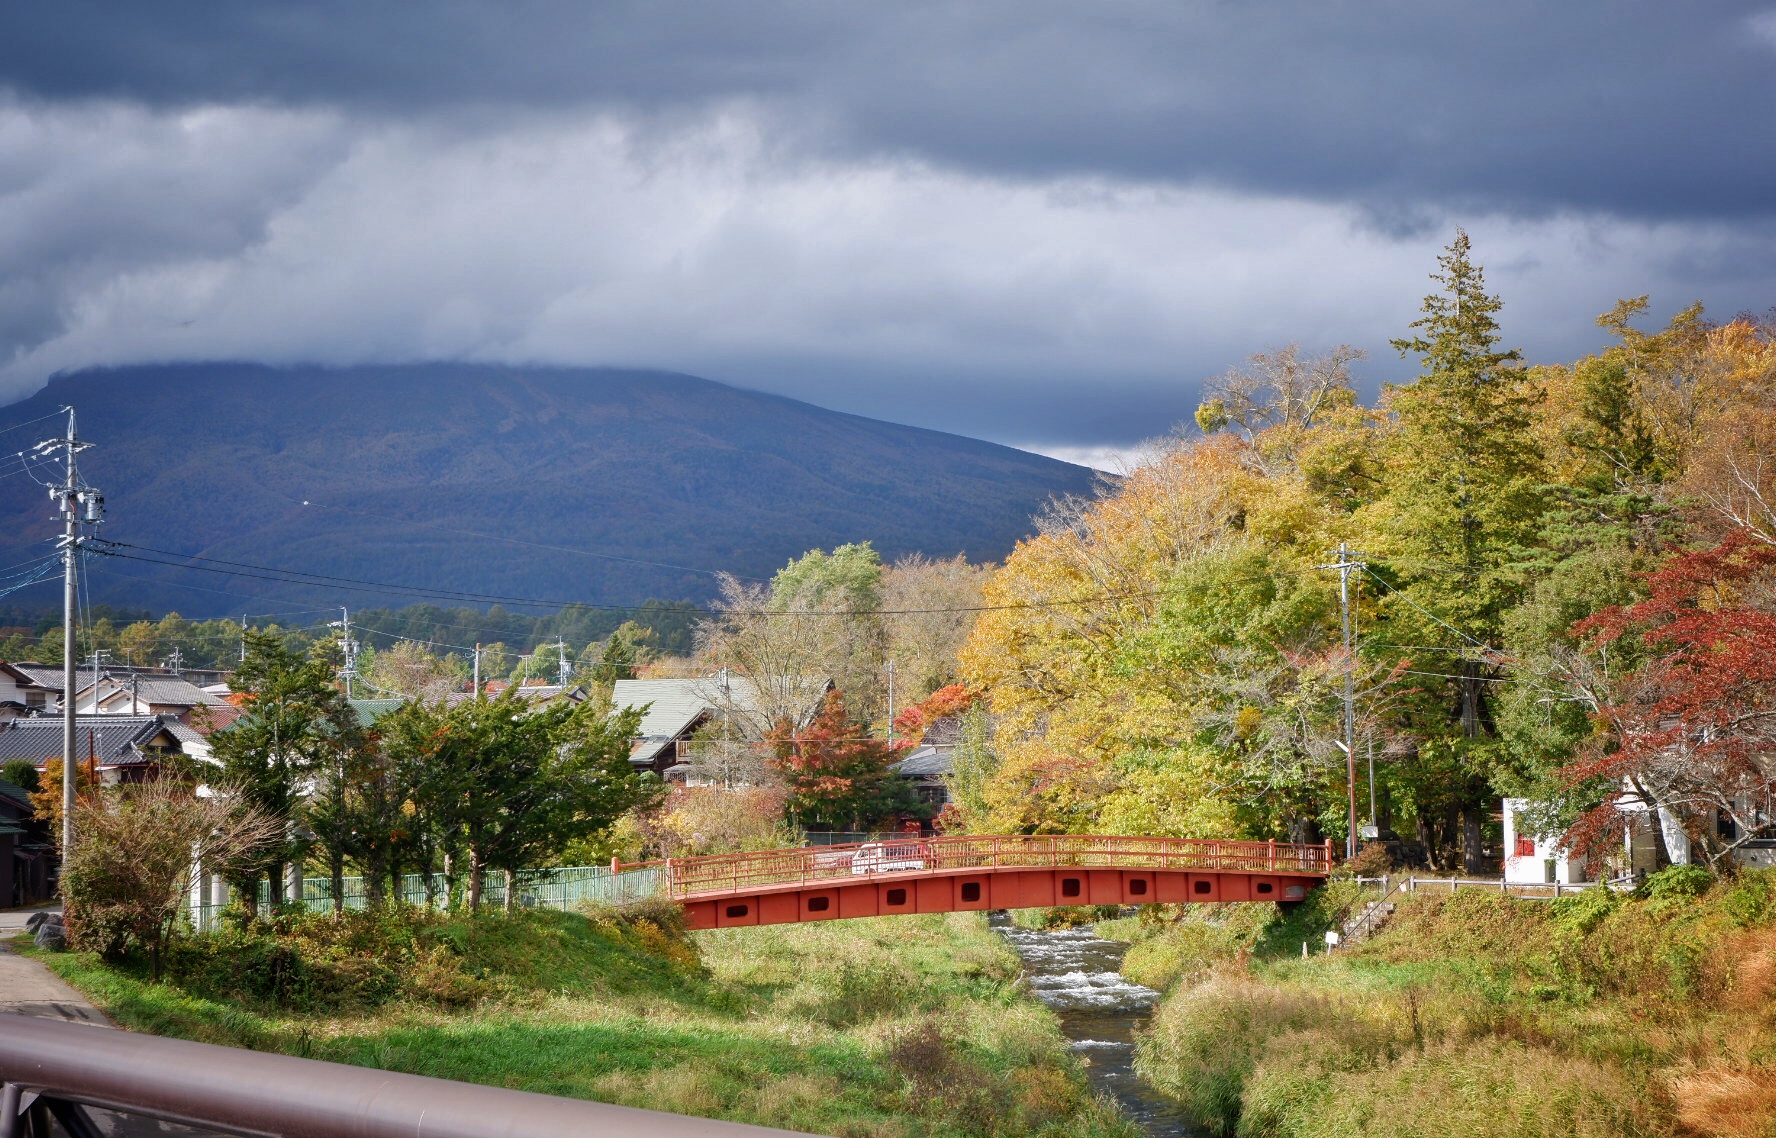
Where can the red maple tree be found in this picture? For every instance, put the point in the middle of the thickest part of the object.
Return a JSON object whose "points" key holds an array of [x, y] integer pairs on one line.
{"points": [[914, 720], [1691, 730], [837, 777]]}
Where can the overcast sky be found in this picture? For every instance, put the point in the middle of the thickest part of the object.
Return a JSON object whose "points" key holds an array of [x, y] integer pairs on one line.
{"points": [[1043, 224]]}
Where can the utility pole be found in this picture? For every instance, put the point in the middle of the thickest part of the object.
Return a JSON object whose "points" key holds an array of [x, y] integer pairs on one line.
{"points": [[77, 503], [1346, 564], [561, 670], [891, 705], [1374, 821], [243, 658], [476, 681], [98, 660], [350, 671]]}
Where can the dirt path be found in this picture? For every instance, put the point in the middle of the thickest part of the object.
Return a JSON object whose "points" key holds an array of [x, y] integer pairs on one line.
{"points": [[28, 988]]}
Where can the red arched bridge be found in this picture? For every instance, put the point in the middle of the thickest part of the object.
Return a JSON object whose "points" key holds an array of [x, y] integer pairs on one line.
{"points": [[947, 874]]}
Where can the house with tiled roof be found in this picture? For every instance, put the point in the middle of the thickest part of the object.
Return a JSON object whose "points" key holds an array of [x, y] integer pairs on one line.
{"points": [[22, 694], [531, 693], [123, 748], [45, 676], [929, 765], [134, 693], [673, 710]]}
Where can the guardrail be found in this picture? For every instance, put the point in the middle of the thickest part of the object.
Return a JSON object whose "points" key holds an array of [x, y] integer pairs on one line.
{"points": [[730, 873], [1528, 890], [83, 1076]]}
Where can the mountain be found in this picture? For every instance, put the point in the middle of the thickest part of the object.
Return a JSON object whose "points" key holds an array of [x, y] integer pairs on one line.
{"points": [[403, 469]]}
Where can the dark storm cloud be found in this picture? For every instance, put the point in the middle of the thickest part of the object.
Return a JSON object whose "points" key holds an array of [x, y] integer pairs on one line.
{"points": [[1039, 223], [1646, 109]]}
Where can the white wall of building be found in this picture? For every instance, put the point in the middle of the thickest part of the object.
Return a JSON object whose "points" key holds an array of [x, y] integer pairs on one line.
{"points": [[1532, 859]]}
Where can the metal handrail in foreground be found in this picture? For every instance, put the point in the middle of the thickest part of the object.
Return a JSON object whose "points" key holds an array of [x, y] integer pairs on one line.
{"points": [[729, 873], [49, 1068]]}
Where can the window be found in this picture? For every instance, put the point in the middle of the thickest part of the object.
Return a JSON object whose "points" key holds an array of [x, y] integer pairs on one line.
{"points": [[897, 896], [1069, 886], [970, 891], [1526, 846]]}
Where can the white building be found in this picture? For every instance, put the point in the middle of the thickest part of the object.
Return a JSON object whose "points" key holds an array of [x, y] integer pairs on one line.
{"points": [[1532, 859]]}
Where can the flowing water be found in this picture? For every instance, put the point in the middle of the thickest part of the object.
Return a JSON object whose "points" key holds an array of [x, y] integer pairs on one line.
{"points": [[1074, 971]]}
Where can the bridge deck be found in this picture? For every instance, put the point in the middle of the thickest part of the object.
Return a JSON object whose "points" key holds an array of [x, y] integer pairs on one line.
{"points": [[946, 874]]}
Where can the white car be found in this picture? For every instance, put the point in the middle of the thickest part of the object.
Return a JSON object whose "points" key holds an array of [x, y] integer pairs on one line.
{"points": [[888, 857]]}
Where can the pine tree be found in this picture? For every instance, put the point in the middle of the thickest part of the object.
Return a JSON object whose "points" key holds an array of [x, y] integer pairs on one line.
{"points": [[1467, 481], [1462, 513]]}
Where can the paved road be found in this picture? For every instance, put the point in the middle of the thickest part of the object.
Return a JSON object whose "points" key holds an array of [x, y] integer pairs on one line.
{"points": [[28, 988]]}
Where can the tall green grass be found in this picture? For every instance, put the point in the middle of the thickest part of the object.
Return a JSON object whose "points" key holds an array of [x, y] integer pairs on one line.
{"points": [[1598, 1014]]}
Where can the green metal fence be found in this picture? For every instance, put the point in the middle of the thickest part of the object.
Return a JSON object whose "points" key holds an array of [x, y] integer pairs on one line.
{"points": [[565, 888]]}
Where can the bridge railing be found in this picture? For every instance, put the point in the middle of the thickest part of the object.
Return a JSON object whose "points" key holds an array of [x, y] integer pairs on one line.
{"points": [[729, 873], [93, 1082]]}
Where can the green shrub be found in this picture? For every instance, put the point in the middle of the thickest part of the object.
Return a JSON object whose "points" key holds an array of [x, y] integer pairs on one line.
{"points": [[1752, 899], [1064, 916], [301, 962], [21, 773], [1677, 881]]}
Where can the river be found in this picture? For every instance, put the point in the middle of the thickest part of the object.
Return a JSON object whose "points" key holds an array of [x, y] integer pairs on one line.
{"points": [[1074, 971]]}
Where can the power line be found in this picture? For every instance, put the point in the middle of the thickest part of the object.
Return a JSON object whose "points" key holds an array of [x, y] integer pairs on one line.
{"points": [[1476, 643], [56, 414]]}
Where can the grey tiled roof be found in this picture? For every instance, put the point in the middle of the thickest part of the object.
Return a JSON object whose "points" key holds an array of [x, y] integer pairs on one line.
{"points": [[43, 675], [927, 762], [675, 705], [116, 740], [167, 691]]}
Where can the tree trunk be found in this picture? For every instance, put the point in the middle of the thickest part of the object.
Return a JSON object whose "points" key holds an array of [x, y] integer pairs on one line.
{"points": [[1473, 859], [1654, 812], [1427, 840], [477, 877], [1671, 832], [274, 892], [336, 871], [511, 891], [1472, 693], [247, 888]]}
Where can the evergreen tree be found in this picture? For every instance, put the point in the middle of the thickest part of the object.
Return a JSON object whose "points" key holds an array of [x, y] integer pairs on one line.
{"points": [[513, 783], [1461, 515], [298, 726]]}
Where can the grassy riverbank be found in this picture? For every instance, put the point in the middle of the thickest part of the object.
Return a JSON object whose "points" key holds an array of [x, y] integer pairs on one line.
{"points": [[1477, 1015], [898, 1027]]}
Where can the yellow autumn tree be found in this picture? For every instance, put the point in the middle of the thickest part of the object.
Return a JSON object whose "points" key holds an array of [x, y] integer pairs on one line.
{"points": [[1145, 655]]}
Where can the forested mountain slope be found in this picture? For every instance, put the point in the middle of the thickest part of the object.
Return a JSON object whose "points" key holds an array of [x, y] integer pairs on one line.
{"points": [[403, 465]]}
